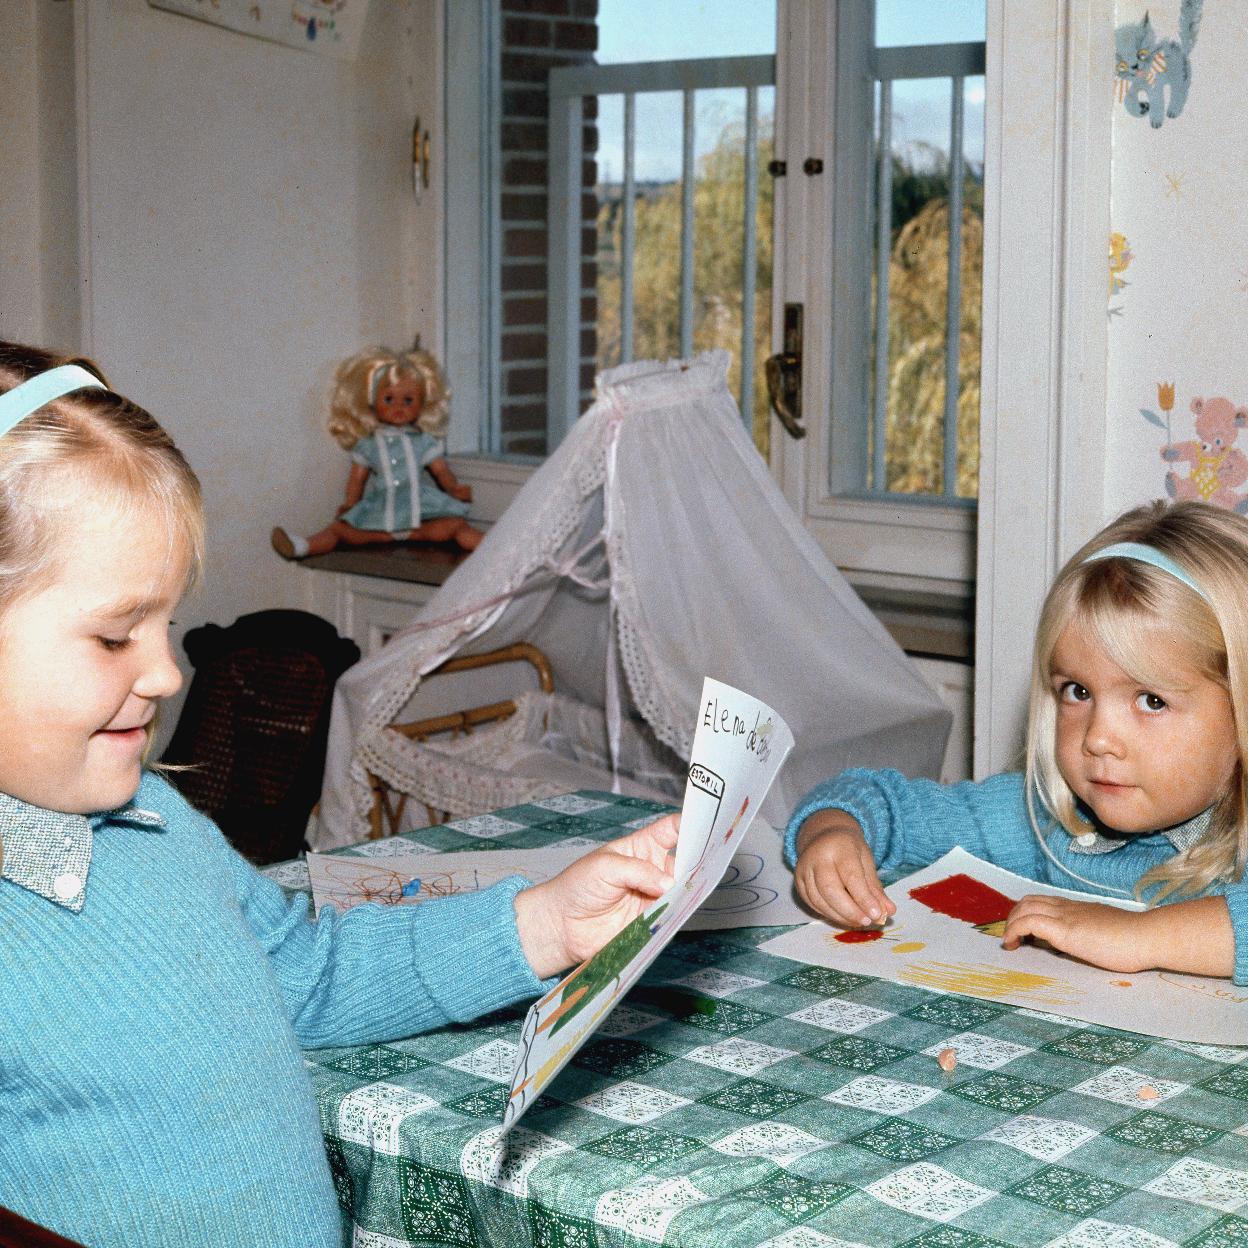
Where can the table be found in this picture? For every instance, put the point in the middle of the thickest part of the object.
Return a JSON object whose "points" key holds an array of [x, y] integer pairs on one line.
{"points": [[736, 1098]]}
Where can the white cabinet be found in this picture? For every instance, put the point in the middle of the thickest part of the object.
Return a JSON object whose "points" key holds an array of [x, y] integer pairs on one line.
{"points": [[368, 609]]}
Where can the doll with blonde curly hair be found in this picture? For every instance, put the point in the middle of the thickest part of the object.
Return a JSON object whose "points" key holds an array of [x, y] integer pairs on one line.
{"points": [[391, 411]]}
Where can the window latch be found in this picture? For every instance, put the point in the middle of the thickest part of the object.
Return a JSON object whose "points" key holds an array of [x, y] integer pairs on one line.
{"points": [[784, 374]]}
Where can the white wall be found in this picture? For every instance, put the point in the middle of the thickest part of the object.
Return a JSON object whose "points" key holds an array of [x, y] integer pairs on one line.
{"points": [[246, 221]]}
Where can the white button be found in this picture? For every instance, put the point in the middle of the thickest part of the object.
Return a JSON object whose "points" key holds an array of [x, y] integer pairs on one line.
{"points": [[1088, 838], [67, 886]]}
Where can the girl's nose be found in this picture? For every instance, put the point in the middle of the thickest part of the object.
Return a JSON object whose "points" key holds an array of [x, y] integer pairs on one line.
{"points": [[1102, 736], [160, 677]]}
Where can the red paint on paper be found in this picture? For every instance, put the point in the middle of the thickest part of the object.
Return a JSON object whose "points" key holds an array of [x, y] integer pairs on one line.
{"points": [[961, 897], [859, 937]]}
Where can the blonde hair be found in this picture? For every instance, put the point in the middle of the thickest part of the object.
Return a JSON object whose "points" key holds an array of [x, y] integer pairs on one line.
{"points": [[91, 445], [1120, 603], [358, 380]]}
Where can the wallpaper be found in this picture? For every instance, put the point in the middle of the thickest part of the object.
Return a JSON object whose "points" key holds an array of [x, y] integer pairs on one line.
{"points": [[1177, 256]]}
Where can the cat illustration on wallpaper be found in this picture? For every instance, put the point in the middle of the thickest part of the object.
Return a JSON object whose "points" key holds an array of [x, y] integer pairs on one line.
{"points": [[1145, 65]]}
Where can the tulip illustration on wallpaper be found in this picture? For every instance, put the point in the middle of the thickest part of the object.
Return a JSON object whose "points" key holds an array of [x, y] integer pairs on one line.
{"points": [[1154, 75], [1215, 466]]}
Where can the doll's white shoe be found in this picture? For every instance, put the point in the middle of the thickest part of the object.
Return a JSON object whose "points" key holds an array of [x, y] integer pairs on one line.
{"points": [[288, 547]]}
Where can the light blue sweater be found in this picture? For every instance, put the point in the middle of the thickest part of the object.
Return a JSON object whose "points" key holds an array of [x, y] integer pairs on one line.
{"points": [[152, 1089], [915, 822]]}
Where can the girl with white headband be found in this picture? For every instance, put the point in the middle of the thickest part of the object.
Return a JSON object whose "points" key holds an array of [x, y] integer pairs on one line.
{"points": [[1134, 784], [155, 989]]}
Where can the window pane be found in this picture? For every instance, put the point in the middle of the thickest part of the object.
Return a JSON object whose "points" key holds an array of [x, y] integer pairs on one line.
{"points": [[901, 23], [537, 36], [719, 235], [678, 30], [928, 332]]}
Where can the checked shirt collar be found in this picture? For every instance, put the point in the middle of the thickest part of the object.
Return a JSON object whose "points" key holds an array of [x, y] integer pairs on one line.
{"points": [[49, 852]]}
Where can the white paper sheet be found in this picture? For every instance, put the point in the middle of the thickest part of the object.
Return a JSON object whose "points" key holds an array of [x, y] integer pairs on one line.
{"points": [[946, 953], [756, 891], [738, 746]]}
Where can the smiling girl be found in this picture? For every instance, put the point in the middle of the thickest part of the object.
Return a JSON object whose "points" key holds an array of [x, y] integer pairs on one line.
{"points": [[1135, 778], [155, 989]]}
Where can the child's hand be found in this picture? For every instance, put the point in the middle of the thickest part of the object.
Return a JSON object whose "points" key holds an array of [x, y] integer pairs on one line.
{"points": [[569, 918], [461, 492], [1106, 936], [835, 873]]}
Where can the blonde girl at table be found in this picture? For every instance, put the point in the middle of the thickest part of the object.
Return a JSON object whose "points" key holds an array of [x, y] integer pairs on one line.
{"points": [[1135, 768], [156, 988]]}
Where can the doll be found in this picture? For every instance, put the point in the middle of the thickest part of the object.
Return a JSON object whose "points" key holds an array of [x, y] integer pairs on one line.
{"points": [[391, 412]]}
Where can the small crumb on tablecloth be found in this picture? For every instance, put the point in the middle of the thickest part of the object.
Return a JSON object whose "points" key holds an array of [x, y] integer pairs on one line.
{"points": [[1147, 1093], [947, 1059]]}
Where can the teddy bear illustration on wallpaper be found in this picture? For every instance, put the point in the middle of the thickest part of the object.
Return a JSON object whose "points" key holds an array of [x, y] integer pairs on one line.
{"points": [[1216, 467]]}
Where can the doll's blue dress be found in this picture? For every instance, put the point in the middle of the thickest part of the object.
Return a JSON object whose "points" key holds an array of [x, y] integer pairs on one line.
{"points": [[399, 493]]}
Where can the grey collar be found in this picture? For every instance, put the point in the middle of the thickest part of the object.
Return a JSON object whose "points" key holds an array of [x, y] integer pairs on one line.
{"points": [[1182, 836], [48, 852]]}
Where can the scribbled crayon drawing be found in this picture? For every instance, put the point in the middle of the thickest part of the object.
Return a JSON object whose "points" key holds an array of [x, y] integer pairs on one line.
{"points": [[737, 892], [1153, 76], [732, 827], [965, 898], [351, 882], [991, 982], [869, 935]]}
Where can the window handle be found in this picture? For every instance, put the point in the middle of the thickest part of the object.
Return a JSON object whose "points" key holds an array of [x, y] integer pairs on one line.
{"points": [[784, 374]]}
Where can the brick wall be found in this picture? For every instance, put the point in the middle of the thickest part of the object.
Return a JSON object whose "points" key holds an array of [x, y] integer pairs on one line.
{"points": [[538, 35]]}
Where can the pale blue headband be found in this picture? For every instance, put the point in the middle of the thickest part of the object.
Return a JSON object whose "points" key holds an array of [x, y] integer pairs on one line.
{"points": [[42, 389], [1148, 554]]}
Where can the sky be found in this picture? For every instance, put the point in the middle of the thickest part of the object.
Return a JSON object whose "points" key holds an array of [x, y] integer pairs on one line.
{"points": [[659, 30]]}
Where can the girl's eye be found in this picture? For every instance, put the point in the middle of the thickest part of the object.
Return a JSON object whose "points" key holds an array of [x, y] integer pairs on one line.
{"points": [[1150, 702], [1072, 691], [114, 643]]}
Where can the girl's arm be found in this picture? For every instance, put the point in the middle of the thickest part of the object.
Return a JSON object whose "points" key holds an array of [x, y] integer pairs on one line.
{"points": [[355, 486], [378, 973], [914, 822], [1195, 936], [447, 481]]}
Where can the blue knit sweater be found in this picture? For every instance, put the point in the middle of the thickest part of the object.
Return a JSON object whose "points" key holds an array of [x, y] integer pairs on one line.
{"points": [[152, 1089], [915, 822]]}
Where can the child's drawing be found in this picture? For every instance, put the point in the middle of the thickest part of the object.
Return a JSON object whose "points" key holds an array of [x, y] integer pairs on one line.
{"points": [[1154, 75], [756, 889], [946, 913], [964, 898], [731, 769]]}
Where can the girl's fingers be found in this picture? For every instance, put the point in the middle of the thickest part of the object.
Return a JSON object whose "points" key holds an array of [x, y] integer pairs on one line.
{"points": [[835, 902], [865, 892], [637, 875], [1034, 916]]}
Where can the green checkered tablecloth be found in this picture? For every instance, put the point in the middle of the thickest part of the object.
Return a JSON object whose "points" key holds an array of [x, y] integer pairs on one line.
{"points": [[736, 1098]]}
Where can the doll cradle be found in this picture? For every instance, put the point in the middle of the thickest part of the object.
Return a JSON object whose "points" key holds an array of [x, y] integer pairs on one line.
{"points": [[650, 550], [535, 744]]}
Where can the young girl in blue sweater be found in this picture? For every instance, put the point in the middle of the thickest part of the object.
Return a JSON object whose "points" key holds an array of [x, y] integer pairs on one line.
{"points": [[156, 990], [1135, 772]]}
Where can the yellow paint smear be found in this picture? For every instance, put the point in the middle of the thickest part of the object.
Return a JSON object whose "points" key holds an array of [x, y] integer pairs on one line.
{"points": [[990, 982], [910, 946]]}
